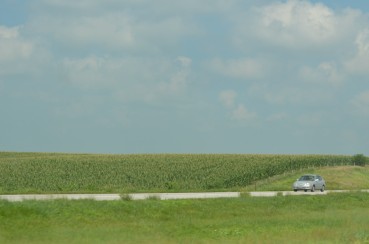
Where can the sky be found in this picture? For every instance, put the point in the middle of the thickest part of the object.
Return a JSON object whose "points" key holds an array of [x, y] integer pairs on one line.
{"points": [[194, 76]]}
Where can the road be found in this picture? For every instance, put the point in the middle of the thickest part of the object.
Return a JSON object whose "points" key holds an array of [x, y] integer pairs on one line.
{"points": [[161, 196], [110, 197]]}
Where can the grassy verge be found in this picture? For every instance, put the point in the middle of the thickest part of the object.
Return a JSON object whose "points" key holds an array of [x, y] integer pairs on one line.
{"points": [[337, 178], [334, 218]]}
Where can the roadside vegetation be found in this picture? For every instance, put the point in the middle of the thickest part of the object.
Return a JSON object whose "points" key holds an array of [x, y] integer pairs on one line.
{"points": [[332, 218], [336, 177]]}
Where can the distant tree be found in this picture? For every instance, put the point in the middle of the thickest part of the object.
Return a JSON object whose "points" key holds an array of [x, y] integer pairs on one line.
{"points": [[359, 160]]}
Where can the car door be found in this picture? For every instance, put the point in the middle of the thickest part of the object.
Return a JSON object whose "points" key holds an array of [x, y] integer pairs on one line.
{"points": [[319, 182]]}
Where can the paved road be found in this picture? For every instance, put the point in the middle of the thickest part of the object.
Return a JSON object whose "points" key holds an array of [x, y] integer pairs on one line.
{"points": [[110, 197], [291, 193], [161, 196]]}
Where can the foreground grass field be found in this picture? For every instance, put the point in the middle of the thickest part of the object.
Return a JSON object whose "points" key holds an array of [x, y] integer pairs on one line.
{"points": [[334, 218], [90, 173]]}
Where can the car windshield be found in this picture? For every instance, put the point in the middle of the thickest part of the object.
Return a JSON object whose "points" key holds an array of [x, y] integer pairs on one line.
{"points": [[306, 178]]}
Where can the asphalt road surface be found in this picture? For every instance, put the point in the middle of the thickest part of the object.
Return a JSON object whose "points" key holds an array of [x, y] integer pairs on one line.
{"points": [[161, 196]]}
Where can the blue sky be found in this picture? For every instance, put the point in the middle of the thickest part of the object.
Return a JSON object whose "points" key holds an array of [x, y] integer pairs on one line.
{"points": [[164, 76]]}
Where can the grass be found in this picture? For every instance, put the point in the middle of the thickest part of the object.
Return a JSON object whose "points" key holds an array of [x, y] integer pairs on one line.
{"points": [[334, 218], [337, 178]]}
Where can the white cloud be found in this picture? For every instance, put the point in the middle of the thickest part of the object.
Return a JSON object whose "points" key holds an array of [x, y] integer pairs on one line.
{"points": [[21, 54], [122, 29], [295, 94], [325, 73], [238, 113], [297, 25], [12, 46], [360, 62], [360, 104], [362, 42], [241, 113], [244, 68], [293, 22], [131, 79], [185, 61], [92, 72], [227, 98], [289, 95], [179, 80], [7, 33]]}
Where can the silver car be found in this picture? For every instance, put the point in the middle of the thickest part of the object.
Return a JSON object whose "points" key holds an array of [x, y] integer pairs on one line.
{"points": [[309, 183]]}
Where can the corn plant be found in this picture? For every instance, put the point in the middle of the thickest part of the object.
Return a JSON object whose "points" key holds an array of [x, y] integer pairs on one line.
{"points": [[77, 173]]}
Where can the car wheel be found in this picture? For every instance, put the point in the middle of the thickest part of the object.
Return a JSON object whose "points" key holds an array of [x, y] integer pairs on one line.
{"points": [[322, 188], [313, 189], [295, 190], [305, 190]]}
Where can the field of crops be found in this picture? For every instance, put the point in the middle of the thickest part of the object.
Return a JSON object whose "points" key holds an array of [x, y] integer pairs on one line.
{"points": [[84, 173]]}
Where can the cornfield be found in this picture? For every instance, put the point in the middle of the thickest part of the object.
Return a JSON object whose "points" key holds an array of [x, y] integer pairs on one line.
{"points": [[87, 173]]}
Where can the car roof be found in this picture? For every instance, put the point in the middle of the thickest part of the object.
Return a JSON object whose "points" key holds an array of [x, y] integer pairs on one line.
{"points": [[310, 175]]}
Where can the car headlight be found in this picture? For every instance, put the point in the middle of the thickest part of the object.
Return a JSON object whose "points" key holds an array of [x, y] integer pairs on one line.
{"points": [[307, 184]]}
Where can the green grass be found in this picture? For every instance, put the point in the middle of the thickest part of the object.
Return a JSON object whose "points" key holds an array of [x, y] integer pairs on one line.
{"points": [[337, 178], [92, 173], [334, 218]]}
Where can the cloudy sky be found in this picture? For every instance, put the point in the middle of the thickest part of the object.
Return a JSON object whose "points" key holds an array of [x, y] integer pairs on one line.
{"points": [[194, 76]]}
